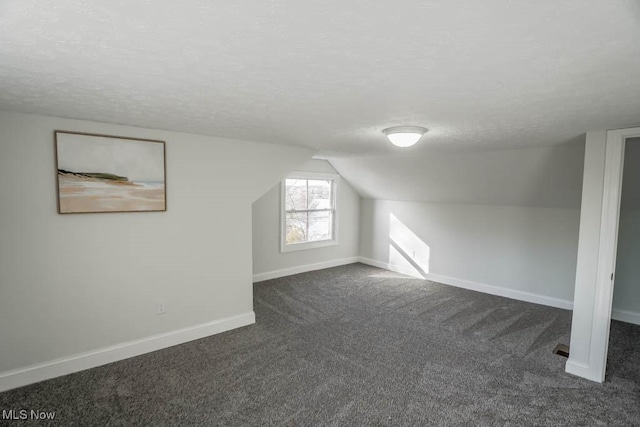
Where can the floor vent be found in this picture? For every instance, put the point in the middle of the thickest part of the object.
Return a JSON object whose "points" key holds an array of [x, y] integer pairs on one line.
{"points": [[561, 350]]}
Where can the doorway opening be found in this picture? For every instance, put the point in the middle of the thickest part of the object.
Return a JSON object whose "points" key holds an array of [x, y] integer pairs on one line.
{"points": [[625, 312]]}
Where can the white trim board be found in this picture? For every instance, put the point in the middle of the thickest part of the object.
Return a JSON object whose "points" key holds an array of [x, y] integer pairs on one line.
{"points": [[91, 359], [580, 370], [626, 316], [594, 309], [607, 249], [275, 274], [503, 292], [475, 286]]}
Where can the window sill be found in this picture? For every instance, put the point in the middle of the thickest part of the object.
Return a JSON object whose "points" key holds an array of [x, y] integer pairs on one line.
{"points": [[308, 245]]}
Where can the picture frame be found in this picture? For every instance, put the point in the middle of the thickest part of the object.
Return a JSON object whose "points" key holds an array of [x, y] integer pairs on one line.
{"points": [[99, 173]]}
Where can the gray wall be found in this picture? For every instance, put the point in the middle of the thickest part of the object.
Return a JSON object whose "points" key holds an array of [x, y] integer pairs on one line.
{"points": [[626, 295], [267, 257], [75, 283]]}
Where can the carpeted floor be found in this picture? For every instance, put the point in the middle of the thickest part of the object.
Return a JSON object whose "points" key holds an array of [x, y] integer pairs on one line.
{"points": [[356, 345]]}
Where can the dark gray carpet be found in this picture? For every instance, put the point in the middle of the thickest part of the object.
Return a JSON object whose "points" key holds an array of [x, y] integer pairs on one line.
{"points": [[356, 345]]}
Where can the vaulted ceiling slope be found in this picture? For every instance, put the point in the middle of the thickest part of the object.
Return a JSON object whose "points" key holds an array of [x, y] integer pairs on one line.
{"points": [[538, 177], [330, 74]]}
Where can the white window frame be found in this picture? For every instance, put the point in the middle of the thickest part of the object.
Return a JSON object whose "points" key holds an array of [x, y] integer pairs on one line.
{"points": [[335, 178]]}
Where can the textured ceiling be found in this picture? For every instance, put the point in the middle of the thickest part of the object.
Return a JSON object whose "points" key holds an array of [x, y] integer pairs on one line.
{"points": [[330, 74]]}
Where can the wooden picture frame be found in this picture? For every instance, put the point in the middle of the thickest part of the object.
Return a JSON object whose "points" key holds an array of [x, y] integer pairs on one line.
{"points": [[106, 173]]}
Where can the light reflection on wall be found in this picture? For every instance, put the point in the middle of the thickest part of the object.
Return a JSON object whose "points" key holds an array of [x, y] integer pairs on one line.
{"points": [[408, 254]]}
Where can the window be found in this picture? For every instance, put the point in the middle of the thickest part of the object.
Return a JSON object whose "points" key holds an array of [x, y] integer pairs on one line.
{"points": [[309, 211]]}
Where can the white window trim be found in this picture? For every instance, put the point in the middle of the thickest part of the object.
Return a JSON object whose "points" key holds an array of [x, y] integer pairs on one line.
{"points": [[334, 193]]}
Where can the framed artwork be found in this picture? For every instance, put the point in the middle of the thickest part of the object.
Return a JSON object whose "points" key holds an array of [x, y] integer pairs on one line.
{"points": [[104, 173]]}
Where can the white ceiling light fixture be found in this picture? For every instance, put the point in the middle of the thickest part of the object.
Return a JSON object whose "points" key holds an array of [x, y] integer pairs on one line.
{"points": [[404, 136]]}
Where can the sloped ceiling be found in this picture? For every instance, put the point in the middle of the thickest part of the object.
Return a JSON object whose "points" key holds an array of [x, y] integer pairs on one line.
{"points": [[540, 176]]}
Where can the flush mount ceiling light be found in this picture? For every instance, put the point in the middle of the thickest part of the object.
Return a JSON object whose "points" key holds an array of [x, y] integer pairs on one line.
{"points": [[404, 136]]}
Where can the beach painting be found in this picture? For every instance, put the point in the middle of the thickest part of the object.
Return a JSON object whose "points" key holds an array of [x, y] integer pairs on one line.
{"points": [[102, 173]]}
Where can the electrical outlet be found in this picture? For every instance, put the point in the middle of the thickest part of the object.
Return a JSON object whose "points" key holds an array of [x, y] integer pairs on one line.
{"points": [[161, 307]]}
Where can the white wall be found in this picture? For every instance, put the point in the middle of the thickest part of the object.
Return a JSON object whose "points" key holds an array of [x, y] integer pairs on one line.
{"points": [[75, 283], [269, 262], [524, 252]]}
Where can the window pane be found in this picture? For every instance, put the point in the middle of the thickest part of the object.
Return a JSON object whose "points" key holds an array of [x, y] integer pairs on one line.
{"points": [[320, 194], [295, 194], [319, 226], [296, 226]]}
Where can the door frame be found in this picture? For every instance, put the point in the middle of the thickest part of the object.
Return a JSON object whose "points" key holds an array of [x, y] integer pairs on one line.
{"points": [[607, 249]]}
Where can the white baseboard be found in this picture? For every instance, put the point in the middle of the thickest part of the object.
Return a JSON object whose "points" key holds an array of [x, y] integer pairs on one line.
{"points": [[626, 316], [395, 268], [583, 371], [503, 292], [79, 362], [474, 286], [303, 269]]}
